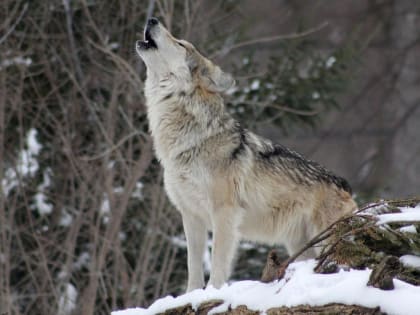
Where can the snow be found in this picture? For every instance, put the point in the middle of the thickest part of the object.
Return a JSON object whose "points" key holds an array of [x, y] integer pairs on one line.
{"points": [[82, 261], [114, 45], [41, 204], [119, 190], [255, 85], [330, 62], [105, 210], [315, 95], [33, 145], [408, 229], [67, 301], [407, 214], [179, 241], [19, 60], [41, 201], [66, 219], [374, 208], [232, 90], [122, 236], [410, 260], [9, 181], [300, 286], [27, 164], [138, 191], [105, 207]]}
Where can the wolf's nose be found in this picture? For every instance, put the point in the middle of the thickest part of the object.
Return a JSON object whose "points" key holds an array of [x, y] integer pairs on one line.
{"points": [[152, 21]]}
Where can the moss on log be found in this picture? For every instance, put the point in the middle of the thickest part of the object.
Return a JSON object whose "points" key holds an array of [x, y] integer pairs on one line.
{"points": [[363, 241]]}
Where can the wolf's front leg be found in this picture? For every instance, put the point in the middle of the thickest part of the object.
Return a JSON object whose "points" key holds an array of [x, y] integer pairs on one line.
{"points": [[196, 234], [225, 242]]}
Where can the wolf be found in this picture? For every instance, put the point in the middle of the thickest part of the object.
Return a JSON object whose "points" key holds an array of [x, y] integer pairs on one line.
{"points": [[222, 177]]}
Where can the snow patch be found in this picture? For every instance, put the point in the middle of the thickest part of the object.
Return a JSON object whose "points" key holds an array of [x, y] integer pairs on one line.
{"points": [[9, 181], [410, 261], [330, 62], [114, 46], [19, 60], [408, 229], [407, 214], [255, 85], [82, 261], [67, 301], [105, 210], [300, 286], [66, 219], [375, 208], [27, 164], [232, 90], [41, 201], [179, 241], [138, 191], [41, 204]]}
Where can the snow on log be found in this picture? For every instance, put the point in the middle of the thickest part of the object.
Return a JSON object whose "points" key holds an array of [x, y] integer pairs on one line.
{"points": [[369, 264]]}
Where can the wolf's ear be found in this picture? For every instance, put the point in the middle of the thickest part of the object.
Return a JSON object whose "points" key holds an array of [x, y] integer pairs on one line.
{"points": [[215, 80]]}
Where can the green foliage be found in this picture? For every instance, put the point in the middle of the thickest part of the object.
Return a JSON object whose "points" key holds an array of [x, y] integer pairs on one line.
{"points": [[296, 89]]}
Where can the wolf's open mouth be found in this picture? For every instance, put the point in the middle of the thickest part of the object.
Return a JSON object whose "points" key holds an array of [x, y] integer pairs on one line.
{"points": [[148, 40]]}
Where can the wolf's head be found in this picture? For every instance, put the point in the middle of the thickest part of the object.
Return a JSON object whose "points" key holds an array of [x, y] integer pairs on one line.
{"points": [[165, 56]]}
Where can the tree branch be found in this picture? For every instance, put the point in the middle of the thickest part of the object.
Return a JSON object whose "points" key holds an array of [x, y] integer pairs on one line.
{"points": [[268, 39]]}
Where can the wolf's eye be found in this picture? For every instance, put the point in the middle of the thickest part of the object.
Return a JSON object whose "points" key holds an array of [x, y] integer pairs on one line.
{"points": [[180, 44]]}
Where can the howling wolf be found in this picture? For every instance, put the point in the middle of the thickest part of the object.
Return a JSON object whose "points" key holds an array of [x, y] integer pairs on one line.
{"points": [[221, 177]]}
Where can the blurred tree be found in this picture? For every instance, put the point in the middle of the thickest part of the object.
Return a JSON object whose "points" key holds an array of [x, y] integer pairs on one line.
{"points": [[297, 87]]}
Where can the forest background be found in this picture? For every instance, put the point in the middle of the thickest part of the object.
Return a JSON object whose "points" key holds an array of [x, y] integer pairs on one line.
{"points": [[85, 225]]}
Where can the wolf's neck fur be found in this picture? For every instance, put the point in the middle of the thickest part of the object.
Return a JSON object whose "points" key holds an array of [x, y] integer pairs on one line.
{"points": [[181, 119]]}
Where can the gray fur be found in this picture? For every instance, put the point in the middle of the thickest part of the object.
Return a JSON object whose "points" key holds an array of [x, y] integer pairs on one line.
{"points": [[222, 177]]}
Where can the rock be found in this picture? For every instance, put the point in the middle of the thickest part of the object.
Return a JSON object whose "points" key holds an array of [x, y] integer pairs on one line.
{"points": [[270, 272]]}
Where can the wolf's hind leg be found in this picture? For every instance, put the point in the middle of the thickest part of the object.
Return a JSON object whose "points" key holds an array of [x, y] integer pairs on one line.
{"points": [[196, 234], [298, 242]]}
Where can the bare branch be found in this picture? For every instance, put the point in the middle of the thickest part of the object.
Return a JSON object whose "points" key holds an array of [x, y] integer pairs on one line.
{"points": [[268, 39], [69, 24], [12, 28]]}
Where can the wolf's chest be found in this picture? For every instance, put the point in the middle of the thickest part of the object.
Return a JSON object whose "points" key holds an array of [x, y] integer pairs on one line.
{"points": [[188, 191]]}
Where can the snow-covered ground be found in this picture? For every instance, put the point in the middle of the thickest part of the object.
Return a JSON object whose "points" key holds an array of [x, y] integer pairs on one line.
{"points": [[407, 214], [300, 286]]}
